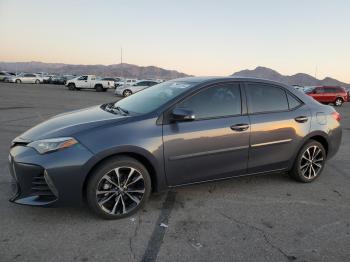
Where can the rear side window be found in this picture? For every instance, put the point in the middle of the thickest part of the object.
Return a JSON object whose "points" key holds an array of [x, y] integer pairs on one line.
{"points": [[214, 102], [265, 98], [293, 102]]}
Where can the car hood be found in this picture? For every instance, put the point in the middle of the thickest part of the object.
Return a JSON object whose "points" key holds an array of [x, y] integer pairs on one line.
{"points": [[68, 124]]}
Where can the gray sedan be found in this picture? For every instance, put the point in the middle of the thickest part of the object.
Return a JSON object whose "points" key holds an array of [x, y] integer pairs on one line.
{"points": [[176, 133]]}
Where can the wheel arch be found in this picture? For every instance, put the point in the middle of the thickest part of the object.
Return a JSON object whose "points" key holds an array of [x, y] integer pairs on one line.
{"points": [[318, 136], [139, 154]]}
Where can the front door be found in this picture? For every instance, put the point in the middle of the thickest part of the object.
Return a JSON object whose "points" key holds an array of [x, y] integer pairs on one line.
{"points": [[82, 82], [215, 144]]}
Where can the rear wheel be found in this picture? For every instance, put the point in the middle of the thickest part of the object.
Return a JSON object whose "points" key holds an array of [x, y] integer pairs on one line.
{"points": [[118, 188], [127, 92], [338, 102], [309, 162], [99, 88]]}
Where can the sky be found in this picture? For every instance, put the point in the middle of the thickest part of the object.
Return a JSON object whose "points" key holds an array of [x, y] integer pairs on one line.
{"points": [[194, 37]]}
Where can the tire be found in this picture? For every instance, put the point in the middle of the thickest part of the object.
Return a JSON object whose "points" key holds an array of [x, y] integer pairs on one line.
{"points": [[18, 81], [71, 86], [37, 81], [127, 92], [301, 170], [117, 201], [99, 88], [338, 102]]}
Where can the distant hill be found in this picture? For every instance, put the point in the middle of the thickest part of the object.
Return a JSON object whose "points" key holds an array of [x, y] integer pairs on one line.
{"points": [[297, 79], [115, 70]]}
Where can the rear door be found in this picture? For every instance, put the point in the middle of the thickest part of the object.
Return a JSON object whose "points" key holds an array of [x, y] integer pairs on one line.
{"points": [[214, 145], [278, 121]]}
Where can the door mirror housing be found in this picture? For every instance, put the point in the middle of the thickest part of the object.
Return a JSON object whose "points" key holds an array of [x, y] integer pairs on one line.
{"points": [[182, 114]]}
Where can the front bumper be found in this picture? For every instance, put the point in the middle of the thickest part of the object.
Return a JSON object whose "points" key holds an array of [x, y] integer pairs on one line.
{"points": [[52, 179]]}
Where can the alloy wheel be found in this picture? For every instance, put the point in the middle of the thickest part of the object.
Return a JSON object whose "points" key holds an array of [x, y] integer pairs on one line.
{"points": [[120, 190], [338, 102], [311, 162]]}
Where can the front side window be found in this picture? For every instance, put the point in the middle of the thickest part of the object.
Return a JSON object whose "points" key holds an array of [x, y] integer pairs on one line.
{"points": [[216, 101], [141, 84], [319, 90], [265, 98], [83, 78]]}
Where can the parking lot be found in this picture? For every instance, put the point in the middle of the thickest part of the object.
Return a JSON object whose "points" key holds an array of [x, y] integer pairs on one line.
{"points": [[257, 218]]}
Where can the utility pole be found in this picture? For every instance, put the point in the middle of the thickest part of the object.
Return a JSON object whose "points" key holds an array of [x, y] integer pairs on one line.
{"points": [[121, 61]]}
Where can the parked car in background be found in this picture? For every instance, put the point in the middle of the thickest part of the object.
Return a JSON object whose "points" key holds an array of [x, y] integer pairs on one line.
{"points": [[129, 81], [180, 132], [44, 76], [4, 75], [89, 82], [127, 90], [329, 94], [114, 79], [348, 91], [26, 78]]}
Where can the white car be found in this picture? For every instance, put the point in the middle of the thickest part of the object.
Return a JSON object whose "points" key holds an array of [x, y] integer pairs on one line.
{"points": [[89, 82], [127, 90], [27, 78]]}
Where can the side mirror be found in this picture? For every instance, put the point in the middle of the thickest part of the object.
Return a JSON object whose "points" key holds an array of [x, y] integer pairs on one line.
{"points": [[181, 114]]}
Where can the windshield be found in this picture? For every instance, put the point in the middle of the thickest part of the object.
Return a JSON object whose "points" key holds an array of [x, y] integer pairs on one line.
{"points": [[153, 97]]}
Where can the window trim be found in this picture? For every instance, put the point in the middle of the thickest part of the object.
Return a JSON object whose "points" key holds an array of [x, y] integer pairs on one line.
{"points": [[167, 112], [245, 84]]}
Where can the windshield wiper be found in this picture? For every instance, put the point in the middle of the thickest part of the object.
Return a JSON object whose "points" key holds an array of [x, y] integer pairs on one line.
{"points": [[123, 111]]}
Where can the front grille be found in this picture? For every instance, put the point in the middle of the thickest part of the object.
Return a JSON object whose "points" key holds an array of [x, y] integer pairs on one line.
{"points": [[40, 187]]}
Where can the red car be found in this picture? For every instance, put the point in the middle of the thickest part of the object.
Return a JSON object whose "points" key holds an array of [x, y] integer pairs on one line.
{"points": [[329, 94]]}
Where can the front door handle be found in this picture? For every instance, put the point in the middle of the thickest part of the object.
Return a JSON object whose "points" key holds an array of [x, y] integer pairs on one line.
{"points": [[301, 119], [239, 127]]}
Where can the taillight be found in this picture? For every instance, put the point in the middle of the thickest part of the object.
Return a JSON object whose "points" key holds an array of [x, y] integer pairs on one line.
{"points": [[336, 116]]}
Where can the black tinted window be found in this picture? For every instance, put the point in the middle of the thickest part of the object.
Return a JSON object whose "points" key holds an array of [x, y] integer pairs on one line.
{"points": [[266, 98], [217, 101], [83, 78], [293, 102], [319, 90]]}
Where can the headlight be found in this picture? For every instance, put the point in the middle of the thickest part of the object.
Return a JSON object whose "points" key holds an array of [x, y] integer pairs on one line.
{"points": [[53, 144]]}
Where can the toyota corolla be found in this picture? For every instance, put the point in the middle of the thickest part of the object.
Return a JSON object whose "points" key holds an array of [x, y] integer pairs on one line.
{"points": [[176, 133]]}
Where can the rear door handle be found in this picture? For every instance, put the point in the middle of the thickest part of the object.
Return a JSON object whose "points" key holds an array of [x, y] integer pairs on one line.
{"points": [[239, 127], [301, 119]]}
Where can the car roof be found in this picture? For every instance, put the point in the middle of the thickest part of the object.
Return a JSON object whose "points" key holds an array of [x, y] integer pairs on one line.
{"points": [[205, 79]]}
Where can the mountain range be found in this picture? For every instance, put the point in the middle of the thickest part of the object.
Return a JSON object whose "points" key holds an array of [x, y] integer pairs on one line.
{"points": [[115, 70], [144, 72], [300, 79]]}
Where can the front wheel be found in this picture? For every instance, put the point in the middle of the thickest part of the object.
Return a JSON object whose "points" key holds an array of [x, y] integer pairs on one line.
{"points": [[71, 86], [309, 162], [37, 81], [18, 81], [118, 188], [338, 102]]}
